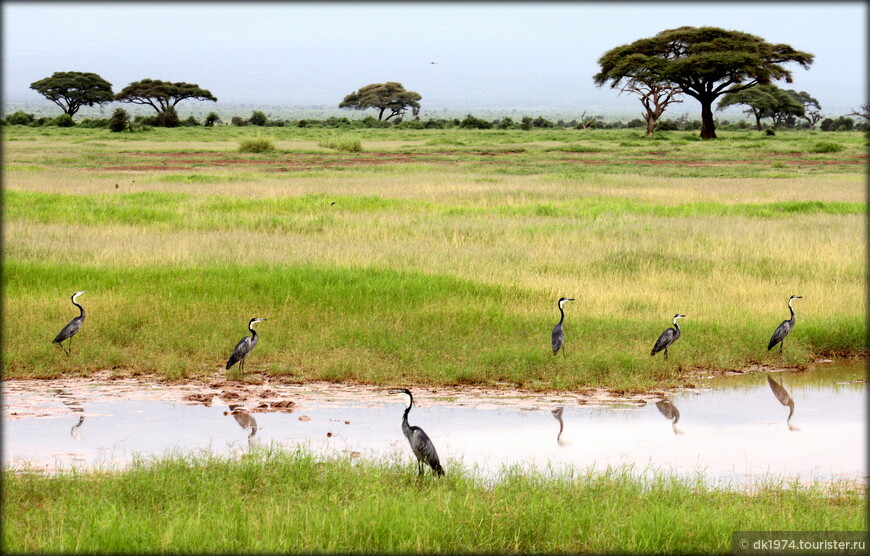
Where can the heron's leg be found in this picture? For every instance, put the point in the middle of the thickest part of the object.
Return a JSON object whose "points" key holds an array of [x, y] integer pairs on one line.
{"points": [[781, 343], [666, 354], [563, 352]]}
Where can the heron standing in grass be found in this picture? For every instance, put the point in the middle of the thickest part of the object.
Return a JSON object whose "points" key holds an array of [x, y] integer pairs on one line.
{"points": [[421, 445], [668, 337], [558, 335], [244, 347], [72, 326], [784, 328]]}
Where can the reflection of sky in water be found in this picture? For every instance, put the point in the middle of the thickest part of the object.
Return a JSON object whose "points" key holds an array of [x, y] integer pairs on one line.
{"points": [[731, 434]]}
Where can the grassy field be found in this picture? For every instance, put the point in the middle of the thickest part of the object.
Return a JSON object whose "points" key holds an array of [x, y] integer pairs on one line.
{"points": [[292, 502], [433, 256]]}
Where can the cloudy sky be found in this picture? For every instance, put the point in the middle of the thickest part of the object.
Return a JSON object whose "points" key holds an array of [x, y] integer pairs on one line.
{"points": [[488, 55]]}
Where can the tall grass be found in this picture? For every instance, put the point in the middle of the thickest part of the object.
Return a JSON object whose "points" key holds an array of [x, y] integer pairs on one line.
{"points": [[346, 143], [275, 501], [444, 275]]}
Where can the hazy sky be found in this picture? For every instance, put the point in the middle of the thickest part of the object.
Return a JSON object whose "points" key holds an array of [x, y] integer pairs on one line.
{"points": [[489, 55]]}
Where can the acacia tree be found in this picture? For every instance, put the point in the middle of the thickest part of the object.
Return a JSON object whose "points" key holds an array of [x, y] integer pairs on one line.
{"points": [[764, 101], [863, 112], [390, 96], [705, 62], [655, 98], [162, 95], [73, 89], [812, 108]]}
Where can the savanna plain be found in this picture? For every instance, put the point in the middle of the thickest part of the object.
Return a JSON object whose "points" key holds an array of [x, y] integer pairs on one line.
{"points": [[427, 258]]}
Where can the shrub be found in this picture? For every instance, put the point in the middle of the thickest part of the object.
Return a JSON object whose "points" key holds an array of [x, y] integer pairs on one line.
{"points": [[190, 122], [769, 131], [237, 120], [301, 123], [667, 125], [824, 147], [119, 121], [257, 118], [540, 121], [256, 144], [64, 120], [506, 123], [20, 118], [93, 123], [165, 118], [343, 143], [527, 123], [212, 119], [470, 122]]}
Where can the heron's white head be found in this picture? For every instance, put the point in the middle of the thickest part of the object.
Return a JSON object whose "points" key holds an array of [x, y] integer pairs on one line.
{"points": [[792, 298], [678, 316], [75, 295], [409, 400], [255, 321], [563, 300]]}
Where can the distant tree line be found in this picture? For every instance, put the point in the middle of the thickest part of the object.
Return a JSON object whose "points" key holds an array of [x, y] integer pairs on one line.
{"points": [[705, 63], [122, 121]]}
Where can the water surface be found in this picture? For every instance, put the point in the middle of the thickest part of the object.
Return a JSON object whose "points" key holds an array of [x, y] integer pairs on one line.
{"points": [[732, 432]]}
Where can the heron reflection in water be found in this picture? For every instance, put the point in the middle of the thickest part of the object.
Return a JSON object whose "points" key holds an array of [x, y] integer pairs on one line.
{"points": [[783, 397], [670, 411], [75, 405], [246, 421], [557, 413]]}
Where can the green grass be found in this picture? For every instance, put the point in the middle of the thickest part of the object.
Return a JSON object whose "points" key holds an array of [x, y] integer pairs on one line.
{"points": [[435, 259], [275, 501], [256, 145]]}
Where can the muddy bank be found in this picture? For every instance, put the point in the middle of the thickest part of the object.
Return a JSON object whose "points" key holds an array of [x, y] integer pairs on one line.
{"points": [[265, 394]]}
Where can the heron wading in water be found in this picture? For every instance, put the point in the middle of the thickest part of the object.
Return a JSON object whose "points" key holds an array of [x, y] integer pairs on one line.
{"points": [[72, 326], [668, 337], [244, 347], [421, 445], [558, 335], [784, 328]]}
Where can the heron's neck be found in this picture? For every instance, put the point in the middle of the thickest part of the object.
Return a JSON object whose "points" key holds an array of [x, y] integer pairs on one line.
{"points": [[790, 410], [82, 309], [676, 326], [253, 332], [790, 308], [561, 320]]}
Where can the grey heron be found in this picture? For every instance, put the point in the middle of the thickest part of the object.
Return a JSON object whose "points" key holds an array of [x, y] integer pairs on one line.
{"points": [[421, 445], [244, 347], [784, 328], [670, 411], [668, 337], [782, 395], [72, 326], [558, 335], [557, 413]]}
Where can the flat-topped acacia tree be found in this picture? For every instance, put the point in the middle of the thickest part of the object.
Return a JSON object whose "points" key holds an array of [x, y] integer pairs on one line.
{"points": [[704, 62], [162, 95], [390, 96], [73, 89]]}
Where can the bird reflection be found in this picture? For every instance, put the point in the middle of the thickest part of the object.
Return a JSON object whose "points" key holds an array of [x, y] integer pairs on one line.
{"points": [[74, 430], [783, 397], [557, 413], [246, 421], [670, 411], [74, 405]]}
